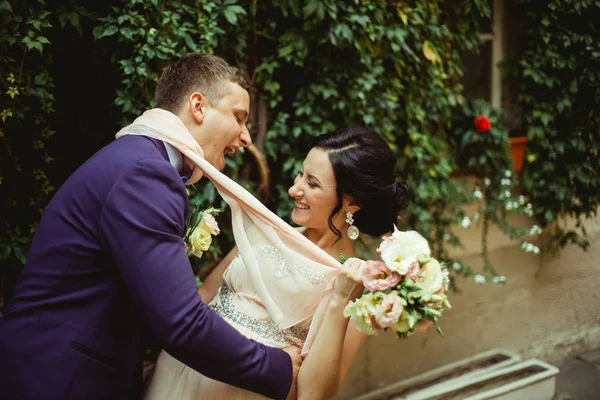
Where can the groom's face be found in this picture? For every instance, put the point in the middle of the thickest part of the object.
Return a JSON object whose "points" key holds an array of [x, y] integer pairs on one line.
{"points": [[223, 127]]}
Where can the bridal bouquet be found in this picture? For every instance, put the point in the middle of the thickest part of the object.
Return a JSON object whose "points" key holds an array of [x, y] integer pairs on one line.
{"points": [[201, 226], [406, 292]]}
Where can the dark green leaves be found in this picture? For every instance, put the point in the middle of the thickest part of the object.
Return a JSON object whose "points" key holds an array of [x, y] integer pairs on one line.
{"points": [[231, 13]]}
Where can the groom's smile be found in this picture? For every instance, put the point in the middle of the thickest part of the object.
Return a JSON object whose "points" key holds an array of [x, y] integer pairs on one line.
{"points": [[230, 150]]}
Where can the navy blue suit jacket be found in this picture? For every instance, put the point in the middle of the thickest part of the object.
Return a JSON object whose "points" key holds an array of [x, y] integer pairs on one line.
{"points": [[107, 259]]}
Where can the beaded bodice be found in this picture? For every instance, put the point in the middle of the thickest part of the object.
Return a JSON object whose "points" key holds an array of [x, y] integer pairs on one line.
{"points": [[239, 302]]}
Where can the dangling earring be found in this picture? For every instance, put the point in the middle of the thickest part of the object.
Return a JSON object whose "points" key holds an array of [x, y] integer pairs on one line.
{"points": [[352, 230]]}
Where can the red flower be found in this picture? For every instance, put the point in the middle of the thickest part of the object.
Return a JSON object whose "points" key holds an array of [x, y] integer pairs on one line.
{"points": [[482, 123]]}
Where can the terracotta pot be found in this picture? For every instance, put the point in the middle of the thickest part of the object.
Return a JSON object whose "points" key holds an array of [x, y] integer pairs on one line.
{"points": [[517, 147]]}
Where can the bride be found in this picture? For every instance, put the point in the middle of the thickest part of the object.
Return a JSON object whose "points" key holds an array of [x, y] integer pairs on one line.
{"points": [[347, 184]]}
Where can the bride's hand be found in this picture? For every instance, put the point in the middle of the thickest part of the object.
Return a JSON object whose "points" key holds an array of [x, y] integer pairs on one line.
{"points": [[348, 282]]}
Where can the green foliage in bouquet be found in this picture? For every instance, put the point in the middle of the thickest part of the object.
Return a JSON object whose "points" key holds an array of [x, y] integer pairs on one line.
{"points": [[418, 308]]}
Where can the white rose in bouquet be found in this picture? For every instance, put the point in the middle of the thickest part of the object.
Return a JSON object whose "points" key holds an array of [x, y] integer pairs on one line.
{"points": [[403, 250]]}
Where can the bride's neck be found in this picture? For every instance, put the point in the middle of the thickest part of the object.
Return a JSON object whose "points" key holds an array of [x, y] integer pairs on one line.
{"points": [[329, 242]]}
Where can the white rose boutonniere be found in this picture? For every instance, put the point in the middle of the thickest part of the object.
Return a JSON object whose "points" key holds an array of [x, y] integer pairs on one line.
{"points": [[201, 226]]}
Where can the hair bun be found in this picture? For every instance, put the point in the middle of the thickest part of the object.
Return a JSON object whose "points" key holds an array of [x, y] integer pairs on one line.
{"points": [[380, 213], [401, 194], [363, 165]]}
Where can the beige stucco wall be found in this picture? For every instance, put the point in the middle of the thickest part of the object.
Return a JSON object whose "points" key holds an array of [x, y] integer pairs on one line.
{"points": [[549, 309]]}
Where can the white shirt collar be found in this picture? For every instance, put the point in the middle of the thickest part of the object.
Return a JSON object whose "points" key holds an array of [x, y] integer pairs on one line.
{"points": [[175, 157]]}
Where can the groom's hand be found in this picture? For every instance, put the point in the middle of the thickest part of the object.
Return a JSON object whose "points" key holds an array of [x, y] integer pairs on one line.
{"points": [[294, 353]]}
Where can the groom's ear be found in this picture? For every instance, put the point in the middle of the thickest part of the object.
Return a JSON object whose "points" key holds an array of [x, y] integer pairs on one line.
{"points": [[197, 105]]}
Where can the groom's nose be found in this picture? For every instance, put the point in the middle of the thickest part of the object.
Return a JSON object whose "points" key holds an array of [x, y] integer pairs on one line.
{"points": [[245, 137]]}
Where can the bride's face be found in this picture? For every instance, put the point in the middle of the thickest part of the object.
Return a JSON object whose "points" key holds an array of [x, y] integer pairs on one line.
{"points": [[314, 192]]}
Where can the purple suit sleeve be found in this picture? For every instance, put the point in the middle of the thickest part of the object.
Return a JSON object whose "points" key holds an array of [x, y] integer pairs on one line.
{"points": [[141, 225]]}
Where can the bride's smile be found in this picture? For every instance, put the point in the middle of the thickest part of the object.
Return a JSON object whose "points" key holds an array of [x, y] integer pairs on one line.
{"points": [[301, 206]]}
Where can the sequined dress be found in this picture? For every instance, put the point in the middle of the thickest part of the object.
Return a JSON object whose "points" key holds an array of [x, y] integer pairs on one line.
{"points": [[239, 303]]}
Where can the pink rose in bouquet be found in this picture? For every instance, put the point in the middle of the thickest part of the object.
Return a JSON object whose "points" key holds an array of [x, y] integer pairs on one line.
{"points": [[377, 276], [388, 312], [413, 271]]}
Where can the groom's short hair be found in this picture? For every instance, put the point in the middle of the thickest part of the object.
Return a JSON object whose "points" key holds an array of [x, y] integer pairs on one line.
{"points": [[196, 72]]}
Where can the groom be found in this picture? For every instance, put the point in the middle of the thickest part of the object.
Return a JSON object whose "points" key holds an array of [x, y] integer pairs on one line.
{"points": [[108, 260]]}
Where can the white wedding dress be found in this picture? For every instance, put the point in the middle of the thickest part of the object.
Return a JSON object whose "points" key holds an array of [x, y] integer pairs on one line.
{"points": [[239, 303]]}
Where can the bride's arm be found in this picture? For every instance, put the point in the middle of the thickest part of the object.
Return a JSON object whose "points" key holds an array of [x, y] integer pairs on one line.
{"points": [[336, 344], [214, 280], [352, 343]]}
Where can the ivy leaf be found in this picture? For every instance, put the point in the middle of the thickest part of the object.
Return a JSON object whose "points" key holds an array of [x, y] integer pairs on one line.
{"points": [[20, 254], [37, 45], [272, 87], [72, 18], [546, 118], [403, 16], [99, 32], [4, 251], [232, 12], [127, 33], [430, 53], [5, 114], [190, 43], [36, 23], [312, 7], [12, 92], [5, 6]]}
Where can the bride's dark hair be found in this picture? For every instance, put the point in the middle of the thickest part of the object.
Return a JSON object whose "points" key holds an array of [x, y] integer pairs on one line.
{"points": [[364, 167]]}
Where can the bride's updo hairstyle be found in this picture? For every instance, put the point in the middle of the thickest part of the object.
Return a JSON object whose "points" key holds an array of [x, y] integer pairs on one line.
{"points": [[364, 168]]}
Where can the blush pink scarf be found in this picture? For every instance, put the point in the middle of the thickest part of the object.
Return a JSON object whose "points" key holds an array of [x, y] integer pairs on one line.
{"points": [[255, 225]]}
